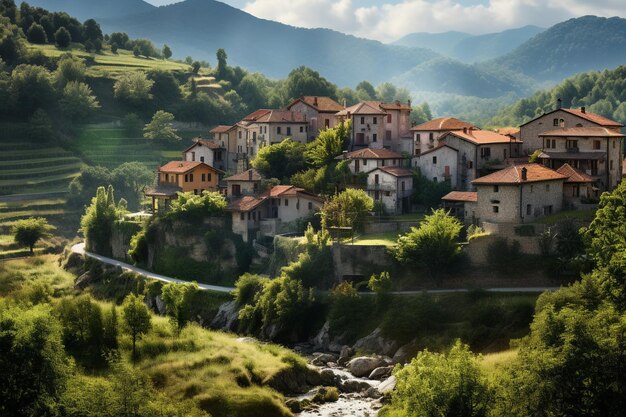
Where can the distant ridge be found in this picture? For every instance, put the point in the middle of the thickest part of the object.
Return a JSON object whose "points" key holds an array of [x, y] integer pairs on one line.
{"points": [[87, 9]]}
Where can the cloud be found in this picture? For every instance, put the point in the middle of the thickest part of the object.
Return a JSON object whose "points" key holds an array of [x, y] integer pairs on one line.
{"points": [[390, 21]]}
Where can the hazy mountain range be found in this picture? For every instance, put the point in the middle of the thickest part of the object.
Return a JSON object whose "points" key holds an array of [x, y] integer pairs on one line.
{"points": [[513, 61]]}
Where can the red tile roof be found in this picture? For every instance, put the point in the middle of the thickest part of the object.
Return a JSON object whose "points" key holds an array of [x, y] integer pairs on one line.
{"points": [[249, 175], [442, 124], [438, 147], [221, 129], [320, 103], [369, 153], [281, 116], [595, 118], [599, 132], [461, 196], [180, 167], [513, 175], [252, 117], [246, 203], [513, 131], [481, 137], [395, 171], [393, 106], [363, 108], [574, 175]]}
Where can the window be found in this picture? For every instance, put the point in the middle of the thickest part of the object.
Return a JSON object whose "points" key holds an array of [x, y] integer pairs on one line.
{"points": [[431, 136], [389, 118], [561, 123], [202, 159], [254, 215], [193, 156], [310, 206], [402, 186], [203, 177], [374, 137], [571, 144], [388, 135], [254, 135], [387, 193], [470, 164], [286, 202], [434, 179], [326, 123], [547, 210], [418, 137], [242, 216], [382, 163], [190, 177], [529, 209], [496, 188], [288, 130], [239, 133], [167, 178], [209, 177], [434, 160], [278, 130], [301, 129], [596, 144], [375, 120], [555, 122], [362, 120], [485, 152], [495, 209], [195, 191], [186, 178], [376, 179], [365, 162]]}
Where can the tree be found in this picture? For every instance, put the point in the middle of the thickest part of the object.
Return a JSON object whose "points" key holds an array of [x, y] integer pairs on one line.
{"points": [[97, 222], [365, 91], [136, 318], [433, 245], [304, 81], [167, 52], [133, 88], [133, 175], [161, 127], [36, 34], [329, 144], [119, 38], [166, 89], [40, 128], [178, 301], [347, 209], [62, 38], [92, 31], [136, 51], [29, 231], [442, 384], [69, 68], [280, 160], [195, 67], [78, 102], [198, 206], [222, 66], [31, 88], [34, 366]]}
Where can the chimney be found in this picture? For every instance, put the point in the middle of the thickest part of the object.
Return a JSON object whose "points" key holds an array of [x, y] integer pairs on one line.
{"points": [[524, 174], [315, 101], [582, 109], [465, 130], [559, 103], [250, 175]]}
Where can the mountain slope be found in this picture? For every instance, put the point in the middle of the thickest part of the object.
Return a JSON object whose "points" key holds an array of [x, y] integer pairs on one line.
{"points": [[492, 45], [576, 45], [443, 43], [199, 27], [86, 9]]}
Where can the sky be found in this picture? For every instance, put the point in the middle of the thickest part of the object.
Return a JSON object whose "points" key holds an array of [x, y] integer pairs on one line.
{"points": [[388, 20]]}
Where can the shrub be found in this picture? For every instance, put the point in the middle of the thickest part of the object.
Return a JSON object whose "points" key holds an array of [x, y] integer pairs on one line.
{"points": [[503, 255], [525, 230], [62, 38], [347, 209], [246, 287], [190, 206]]}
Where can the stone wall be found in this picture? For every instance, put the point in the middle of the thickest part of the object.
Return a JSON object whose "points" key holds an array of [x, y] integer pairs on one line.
{"points": [[359, 260], [477, 249], [385, 227]]}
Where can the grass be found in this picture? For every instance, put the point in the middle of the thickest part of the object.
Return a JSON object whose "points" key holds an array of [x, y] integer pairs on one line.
{"points": [[385, 239], [585, 216], [491, 363], [18, 276]]}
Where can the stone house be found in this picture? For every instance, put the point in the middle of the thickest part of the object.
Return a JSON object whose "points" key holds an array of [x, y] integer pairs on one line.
{"points": [[439, 164], [426, 135], [596, 151], [364, 160], [379, 125], [226, 137], [392, 186], [207, 151], [320, 111], [244, 183], [579, 188], [518, 194], [182, 176], [561, 118], [461, 204]]}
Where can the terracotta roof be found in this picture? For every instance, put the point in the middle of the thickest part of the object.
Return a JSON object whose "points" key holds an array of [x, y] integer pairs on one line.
{"points": [[162, 190], [249, 175], [513, 175], [255, 115], [396, 105], [363, 108], [461, 196], [442, 124], [438, 147], [246, 203], [595, 118], [221, 129], [574, 175], [513, 131], [395, 171], [282, 116], [320, 103], [203, 142], [600, 132], [481, 137], [369, 153], [180, 167]]}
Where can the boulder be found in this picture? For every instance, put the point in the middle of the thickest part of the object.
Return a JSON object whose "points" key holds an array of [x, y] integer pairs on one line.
{"points": [[84, 280], [344, 355], [322, 359], [387, 385], [354, 385], [372, 392], [381, 373], [294, 380], [226, 316], [364, 365], [406, 353], [329, 378], [376, 343], [321, 340]]}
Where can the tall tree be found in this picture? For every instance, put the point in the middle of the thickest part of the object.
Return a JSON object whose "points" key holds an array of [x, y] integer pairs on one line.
{"points": [[167, 52], [78, 101], [29, 231], [161, 127], [136, 319], [304, 81]]}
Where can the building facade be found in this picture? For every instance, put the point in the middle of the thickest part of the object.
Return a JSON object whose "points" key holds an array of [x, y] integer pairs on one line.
{"points": [[319, 111]]}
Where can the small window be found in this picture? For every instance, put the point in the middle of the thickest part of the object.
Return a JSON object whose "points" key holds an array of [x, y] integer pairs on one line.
{"points": [[431, 136], [288, 130], [310, 206], [193, 156], [470, 164], [186, 178], [529, 209], [374, 137], [389, 118], [190, 177], [434, 160], [202, 159], [278, 131], [496, 188], [418, 137], [375, 121], [326, 123], [495, 209], [555, 122], [209, 177], [387, 193], [434, 179], [362, 120], [301, 129], [286, 202], [561, 123], [596, 144], [203, 177], [195, 191], [365, 162]]}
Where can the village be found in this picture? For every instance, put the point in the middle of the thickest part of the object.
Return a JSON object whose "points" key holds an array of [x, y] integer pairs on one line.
{"points": [[561, 160]]}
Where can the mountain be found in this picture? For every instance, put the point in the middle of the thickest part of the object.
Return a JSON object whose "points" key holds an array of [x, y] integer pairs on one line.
{"points": [[86, 9], [471, 48], [576, 45], [443, 43], [199, 27]]}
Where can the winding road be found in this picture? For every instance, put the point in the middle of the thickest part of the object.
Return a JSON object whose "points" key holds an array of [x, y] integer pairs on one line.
{"points": [[79, 248]]}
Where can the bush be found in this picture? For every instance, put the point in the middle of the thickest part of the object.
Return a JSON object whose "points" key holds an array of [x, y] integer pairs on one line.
{"points": [[194, 207], [525, 230], [504, 256], [62, 38], [246, 287], [349, 314]]}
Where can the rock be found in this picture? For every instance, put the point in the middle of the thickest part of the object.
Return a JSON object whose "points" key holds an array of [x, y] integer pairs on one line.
{"points": [[295, 380], [354, 385], [405, 353], [387, 385], [373, 393], [83, 281], [247, 340], [328, 378], [376, 343], [381, 373], [344, 355], [334, 347], [160, 305], [321, 340], [322, 359], [364, 365], [313, 376], [294, 405], [226, 316]]}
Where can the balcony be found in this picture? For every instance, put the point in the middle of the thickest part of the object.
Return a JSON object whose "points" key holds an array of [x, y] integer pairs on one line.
{"points": [[573, 149]]}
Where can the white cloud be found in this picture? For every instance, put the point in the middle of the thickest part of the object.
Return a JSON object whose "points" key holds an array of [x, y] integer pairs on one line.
{"points": [[389, 21]]}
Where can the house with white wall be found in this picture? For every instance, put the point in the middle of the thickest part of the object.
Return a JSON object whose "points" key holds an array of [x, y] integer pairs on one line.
{"points": [[207, 151], [426, 135], [392, 186], [439, 164], [245, 183], [364, 160], [320, 111]]}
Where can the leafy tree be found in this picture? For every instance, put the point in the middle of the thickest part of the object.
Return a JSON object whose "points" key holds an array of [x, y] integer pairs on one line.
{"points": [[280, 160], [442, 384], [136, 318], [119, 38], [222, 66], [329, 144], [9, 10], [78, 101], [161, 127], [167, 52], [133, 88], [62, 38], [195, 67], [178, 301], [428, 192], [97, 222], [34, 366], [12, 45], [36, 34], [196, 207], [347, 209], [136, 51], [31, 87], [253, 91], [166, 89], [69, 68], [132, 124], [365, 91], [433, 245], [114, 48], [40, 128], [92, 31], [29, 231], [304, 81], [134, 175]]}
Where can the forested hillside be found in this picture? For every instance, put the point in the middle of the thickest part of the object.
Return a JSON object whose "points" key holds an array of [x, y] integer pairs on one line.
{"points": [[602, 92]]}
